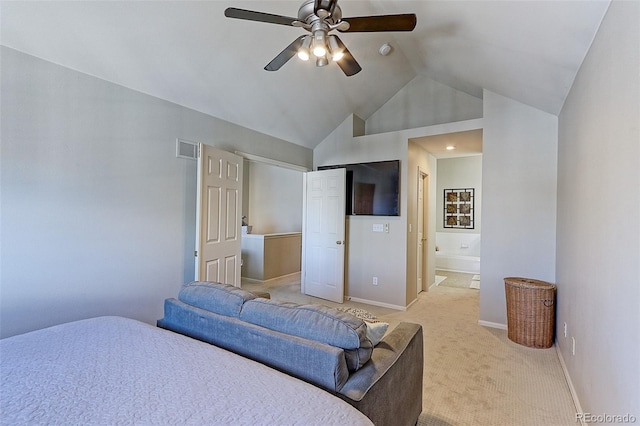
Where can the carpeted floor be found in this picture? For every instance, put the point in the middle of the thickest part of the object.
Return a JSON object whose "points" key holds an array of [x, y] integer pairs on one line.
{"points": [[455, 279], [473, 375]]}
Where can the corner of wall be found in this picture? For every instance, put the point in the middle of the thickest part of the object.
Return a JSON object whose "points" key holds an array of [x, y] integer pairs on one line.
{"points": [[327, 150], [358, 126], [423, 102]]}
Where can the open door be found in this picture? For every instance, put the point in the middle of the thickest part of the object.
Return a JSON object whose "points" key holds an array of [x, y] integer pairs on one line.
{"points": [[323, 234], [218, 238]]}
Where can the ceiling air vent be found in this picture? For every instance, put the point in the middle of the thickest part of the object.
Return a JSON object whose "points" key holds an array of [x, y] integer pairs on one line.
{"points": [[186, 149]]}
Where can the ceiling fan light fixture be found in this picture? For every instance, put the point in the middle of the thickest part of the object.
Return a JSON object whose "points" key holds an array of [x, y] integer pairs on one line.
{"points": [[324, 8], [321, 61], [337, 53], [319, 45], [303, 52], [321, 17]]}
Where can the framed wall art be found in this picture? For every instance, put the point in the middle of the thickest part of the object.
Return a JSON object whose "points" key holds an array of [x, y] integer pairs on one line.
{"points": [[459, 208]]}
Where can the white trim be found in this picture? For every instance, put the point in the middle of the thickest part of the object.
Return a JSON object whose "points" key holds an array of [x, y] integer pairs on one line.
{"points": [[572, 390], [375, 303], [423, 177], [275, 280], [194, 145], [198, 212], [433, 284], [411, 304], [271, 161], [492, 324]]}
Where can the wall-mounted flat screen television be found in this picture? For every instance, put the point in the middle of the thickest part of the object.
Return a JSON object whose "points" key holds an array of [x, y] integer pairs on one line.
{"points": [[373, 189]]}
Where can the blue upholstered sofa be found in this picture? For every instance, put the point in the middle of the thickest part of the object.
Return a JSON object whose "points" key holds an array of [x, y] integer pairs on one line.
{"points": [[320, 345]]}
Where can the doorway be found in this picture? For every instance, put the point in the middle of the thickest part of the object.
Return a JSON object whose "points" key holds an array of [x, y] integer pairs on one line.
{"points": [[272, 209], [422, 221]]}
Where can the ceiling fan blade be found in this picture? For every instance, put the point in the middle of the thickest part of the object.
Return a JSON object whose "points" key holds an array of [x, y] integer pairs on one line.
{"points": [[250, 15], [284, 56], [404, 22], [327, 5], [347, 64]]}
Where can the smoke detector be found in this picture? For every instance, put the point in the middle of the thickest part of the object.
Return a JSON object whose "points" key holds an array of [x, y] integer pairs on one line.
{"points": [[385, 49]]}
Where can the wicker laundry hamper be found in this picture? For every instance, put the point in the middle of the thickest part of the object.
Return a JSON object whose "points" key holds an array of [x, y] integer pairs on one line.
{"points": [[531, 311]]}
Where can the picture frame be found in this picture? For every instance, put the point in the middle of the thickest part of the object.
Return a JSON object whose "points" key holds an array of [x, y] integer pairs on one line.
{"points": [[459, 208]]}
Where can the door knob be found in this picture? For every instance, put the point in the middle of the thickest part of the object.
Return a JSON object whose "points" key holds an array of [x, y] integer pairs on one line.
{"points": [[339, 242]]}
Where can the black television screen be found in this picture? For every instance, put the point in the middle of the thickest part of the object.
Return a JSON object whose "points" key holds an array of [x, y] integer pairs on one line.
{"points": [[373, 189]]}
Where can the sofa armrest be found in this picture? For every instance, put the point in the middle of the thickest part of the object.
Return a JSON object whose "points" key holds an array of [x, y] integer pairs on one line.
{"points": [[388, 388]]}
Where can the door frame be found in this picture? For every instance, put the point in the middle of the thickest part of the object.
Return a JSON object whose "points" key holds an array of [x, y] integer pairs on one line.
{"points": [[422, 221]]}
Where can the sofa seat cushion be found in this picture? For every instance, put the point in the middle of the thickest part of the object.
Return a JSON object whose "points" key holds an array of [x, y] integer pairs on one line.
{"points": [[313, 322], [223, 299]]}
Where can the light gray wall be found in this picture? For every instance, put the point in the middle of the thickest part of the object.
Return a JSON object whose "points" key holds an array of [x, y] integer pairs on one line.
{"points": [[98, 215], [391, 256], [275, 199], [598, 242], [518, 199], [371, 254], [423, 102], [460, 172]]}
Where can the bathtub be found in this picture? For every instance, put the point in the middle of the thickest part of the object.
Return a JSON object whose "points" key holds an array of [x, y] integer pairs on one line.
{"points": [[457, 262]]}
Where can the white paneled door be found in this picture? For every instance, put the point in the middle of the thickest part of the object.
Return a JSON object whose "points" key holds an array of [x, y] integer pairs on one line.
{"points": [[324, 234], [219, 221]]}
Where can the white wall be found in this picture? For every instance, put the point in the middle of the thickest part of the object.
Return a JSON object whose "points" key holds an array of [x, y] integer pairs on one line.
{"points": [[98, 215], [274, 198], [423, 102], [392, 255], [458, 243], [598, 243], [371, 254], [460, 172], [518, 199]]}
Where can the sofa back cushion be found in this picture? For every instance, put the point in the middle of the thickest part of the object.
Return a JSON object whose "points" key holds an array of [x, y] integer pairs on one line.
{"points": [[223, 299], [313, 322]]}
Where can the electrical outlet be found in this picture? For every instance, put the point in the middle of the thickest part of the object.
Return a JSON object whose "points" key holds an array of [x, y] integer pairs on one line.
{"points": [[573, 346], [565, 329], [375, 280]]}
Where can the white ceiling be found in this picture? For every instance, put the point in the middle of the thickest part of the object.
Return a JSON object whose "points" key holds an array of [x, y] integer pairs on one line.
{"points": [[189, 53], [464, 144]]}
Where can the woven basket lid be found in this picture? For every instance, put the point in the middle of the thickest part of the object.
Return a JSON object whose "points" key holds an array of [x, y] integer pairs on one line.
{"points": [[528, 283]]}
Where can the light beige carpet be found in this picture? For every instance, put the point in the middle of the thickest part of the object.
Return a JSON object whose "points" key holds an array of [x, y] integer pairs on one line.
{"points": [[456, 279], [473, 375]]}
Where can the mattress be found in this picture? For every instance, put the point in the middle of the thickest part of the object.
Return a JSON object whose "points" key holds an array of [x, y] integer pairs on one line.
{"points": [[112, 370]]}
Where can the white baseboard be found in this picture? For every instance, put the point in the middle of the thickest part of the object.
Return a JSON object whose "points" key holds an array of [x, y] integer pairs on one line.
{"points": [[572, 390], [276, 280], [375, 303], [410, 304], [492, 324]]}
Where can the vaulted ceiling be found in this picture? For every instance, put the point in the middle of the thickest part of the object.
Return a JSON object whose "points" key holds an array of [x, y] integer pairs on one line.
{"points": [[187, 52]]}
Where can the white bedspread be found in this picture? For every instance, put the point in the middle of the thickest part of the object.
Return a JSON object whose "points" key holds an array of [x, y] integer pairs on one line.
{"points": [[113, 370]]}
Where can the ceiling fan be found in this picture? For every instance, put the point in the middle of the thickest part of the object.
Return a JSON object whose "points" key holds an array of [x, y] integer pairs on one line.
{"points": [[320, 17]]}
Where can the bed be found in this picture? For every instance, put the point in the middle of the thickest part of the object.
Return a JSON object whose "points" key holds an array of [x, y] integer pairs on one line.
{"points": [[113, 370]]}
